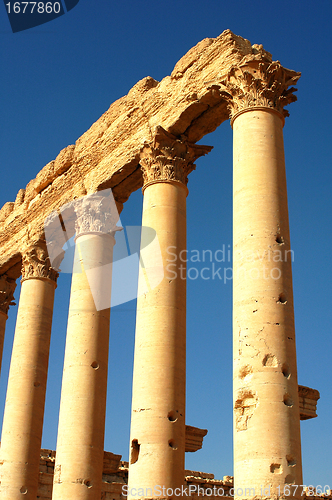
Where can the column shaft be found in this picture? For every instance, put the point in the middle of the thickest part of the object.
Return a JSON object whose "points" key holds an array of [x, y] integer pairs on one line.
{"points": [[24, 410], [80, 444], [7, 288], [267, 447], [3, 319], [158, 403]]}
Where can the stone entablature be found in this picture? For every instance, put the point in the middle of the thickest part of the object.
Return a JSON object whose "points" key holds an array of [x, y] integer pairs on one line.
{"points": [[203, 89]]}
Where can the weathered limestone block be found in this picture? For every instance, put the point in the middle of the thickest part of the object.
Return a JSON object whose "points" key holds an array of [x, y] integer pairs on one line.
{"points": [[111, 462], [6, 210], [19, 198], [194, 438]]}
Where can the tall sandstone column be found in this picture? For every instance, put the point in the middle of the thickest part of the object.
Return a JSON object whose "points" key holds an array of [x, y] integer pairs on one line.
{"points": [[24, 410], [7, 288], [267, 447], [158, 401], [80, 443]]}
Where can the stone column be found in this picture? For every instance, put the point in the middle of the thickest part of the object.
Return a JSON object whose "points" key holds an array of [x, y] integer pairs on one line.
{"points": [[80, 443], [7, 288], [267, 446], [25, 400], [158, 400]]}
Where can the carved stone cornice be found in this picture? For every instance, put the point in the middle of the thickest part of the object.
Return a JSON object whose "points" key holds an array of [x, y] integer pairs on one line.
{"points": [[168, 158], [7, 289], [260, 83], [96, 213], [36, 263]]}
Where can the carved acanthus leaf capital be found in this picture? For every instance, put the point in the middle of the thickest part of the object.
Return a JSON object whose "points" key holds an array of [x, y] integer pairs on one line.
{"points": [[96, 213], [169, 158], [7, 289], [36, 263], [256, 83]]}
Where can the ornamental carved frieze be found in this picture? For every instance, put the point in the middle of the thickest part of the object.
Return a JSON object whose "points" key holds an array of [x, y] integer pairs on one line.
{"points": [[36, 263], [168, 158], [7, 289], [257, 83], [96, 213]]}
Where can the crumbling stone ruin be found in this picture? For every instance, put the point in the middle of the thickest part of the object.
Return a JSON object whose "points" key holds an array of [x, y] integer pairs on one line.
{"points": [[148, 139]]}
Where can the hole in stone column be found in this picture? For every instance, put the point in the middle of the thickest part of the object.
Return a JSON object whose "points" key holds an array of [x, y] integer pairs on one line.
{"points": [[291, 462], [289, 479], [172, 444], [270, 360], [285, 370], [245, 371], [135, 446], [172, 417], [95, 365], [288, 400], [87, 483], [279, 239], [36, 384], [282, 299], [276, 468], [24, 490]]}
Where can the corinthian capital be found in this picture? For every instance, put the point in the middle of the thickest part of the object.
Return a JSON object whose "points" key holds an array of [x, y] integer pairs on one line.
{"points": [[96, 213], [168, 158], [257, 82], [7, 289], [36, 263]]}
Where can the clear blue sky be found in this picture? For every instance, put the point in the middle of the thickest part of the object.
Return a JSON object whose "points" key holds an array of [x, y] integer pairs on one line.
{"points": [[57, 79]]}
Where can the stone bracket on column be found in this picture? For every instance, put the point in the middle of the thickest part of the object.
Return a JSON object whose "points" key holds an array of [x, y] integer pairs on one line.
{"points": [[194, 438], [308, 402]]}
